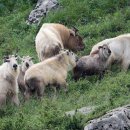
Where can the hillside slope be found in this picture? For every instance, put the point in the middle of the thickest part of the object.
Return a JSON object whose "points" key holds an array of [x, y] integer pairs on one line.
{"points": [[96, 20]]}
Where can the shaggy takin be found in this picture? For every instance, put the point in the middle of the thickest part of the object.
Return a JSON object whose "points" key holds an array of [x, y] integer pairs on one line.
{"points": [[51, 38], [120, 48], [25, 64], [92, 64], [9, 72], [52, 72]]}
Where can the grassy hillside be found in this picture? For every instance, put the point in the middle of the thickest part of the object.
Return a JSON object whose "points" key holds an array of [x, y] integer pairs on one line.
{"points": [[96, 20]]}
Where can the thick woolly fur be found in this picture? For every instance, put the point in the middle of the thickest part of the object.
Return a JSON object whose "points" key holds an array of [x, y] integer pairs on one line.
{"points": [[52, 71], [25, 64], [120, 47], [9, 72], [92, 64], [51, 38]]}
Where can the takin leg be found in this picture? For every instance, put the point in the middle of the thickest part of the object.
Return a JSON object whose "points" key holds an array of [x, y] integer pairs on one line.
{"points": [[77, 73], [63, 85], [22, 89], [40, 89], [56, 87], [35, 85], [26, 95], [2, 100], [109, 62], [101, 75], [15, 99], [125, 65], [55, 92]]}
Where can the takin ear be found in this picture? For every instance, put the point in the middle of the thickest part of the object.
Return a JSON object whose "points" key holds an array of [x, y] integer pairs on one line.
{"points": [[75, 29], [16, 55], [72, 33], [94, 52]]}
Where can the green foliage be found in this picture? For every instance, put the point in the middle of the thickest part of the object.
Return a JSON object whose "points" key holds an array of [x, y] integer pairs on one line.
{"points": [[96, 21]]}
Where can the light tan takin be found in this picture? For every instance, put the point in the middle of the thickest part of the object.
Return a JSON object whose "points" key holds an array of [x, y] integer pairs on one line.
{"points": [[53, 37], [120, 48], [26, 62], [9, 72], [52, 72]]}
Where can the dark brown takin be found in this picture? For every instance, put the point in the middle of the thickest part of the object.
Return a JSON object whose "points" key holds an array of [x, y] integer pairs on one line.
{"points": [[92, 64]]}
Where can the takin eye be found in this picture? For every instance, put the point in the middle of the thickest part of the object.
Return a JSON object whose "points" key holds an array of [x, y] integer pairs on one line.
{"points": [[7, 60]]}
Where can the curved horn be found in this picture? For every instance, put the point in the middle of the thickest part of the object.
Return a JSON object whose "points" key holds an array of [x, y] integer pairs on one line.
{"points": [[17, 50], [75, 29]]}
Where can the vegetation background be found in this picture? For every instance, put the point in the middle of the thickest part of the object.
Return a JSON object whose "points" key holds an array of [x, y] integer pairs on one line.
{"points": [[96, 20]]}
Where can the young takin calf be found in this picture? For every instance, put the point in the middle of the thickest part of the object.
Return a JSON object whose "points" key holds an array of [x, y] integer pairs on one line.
{"points": [[52, 71], [92, 64], [25, 64]]}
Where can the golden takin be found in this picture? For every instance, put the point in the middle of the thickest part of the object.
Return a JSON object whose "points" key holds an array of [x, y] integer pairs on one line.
{"points": [[52, 72], [53, 37]]}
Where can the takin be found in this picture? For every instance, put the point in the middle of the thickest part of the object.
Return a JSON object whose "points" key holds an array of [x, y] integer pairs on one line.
{"points": [[50, 72], [9, 72], [25, 64], [92, 64], [53, 37], [120, 48]]}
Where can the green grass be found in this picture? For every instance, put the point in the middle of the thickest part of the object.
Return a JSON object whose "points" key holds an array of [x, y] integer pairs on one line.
{"points": [[96, 21]]}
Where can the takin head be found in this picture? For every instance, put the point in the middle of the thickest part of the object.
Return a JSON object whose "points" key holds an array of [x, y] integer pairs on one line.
{"points": [[12, 62], [71, 58], [26, 62], [75, 41]]}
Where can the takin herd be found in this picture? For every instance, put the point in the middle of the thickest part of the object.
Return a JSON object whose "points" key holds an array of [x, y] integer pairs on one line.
{"points": [[56, 46]]}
